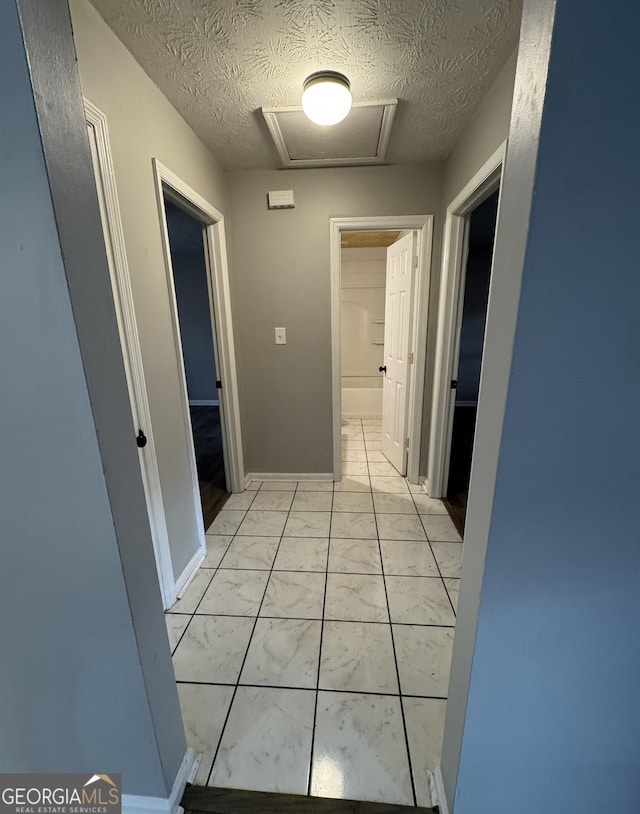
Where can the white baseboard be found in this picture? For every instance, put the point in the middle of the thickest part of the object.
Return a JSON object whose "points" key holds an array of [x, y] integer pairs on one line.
{"points": [[136, 804], [436, 787], [204, 403], [288, 476], [182, 583]]}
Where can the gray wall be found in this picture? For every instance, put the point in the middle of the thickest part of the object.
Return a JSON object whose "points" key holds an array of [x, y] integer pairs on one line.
{"points": [[552, 716], [143, 125], [86, 677], [192, 295], [280, 276]]}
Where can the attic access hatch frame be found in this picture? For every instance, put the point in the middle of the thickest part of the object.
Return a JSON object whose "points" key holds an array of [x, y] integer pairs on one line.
{"points": [[388, 113]]}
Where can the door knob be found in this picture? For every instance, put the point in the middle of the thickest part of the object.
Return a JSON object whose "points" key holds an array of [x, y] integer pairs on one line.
{"points": [[383, 369], [141, 440]]}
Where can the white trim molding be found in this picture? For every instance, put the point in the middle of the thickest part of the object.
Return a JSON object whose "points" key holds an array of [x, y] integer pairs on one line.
{"points": [[132, 355], [204, 402], [449, 322], [137, 804], [299, 476], [423, 225], [436, 787]]}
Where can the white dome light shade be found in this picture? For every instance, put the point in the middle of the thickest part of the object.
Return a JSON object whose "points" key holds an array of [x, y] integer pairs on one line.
{"points": [[327, 97]]}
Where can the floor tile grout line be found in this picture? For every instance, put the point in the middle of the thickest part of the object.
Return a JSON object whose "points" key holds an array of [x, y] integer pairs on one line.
{"points": [[246, 652], [395, 659], [317, 619], [311, 689], [324, 604], [433, 554]]}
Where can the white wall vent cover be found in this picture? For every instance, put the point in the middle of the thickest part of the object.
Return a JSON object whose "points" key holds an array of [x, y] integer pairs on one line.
{"points": [[361, 138]]}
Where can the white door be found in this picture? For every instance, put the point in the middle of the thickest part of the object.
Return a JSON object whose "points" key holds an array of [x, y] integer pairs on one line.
{"points": [[397, 346]]}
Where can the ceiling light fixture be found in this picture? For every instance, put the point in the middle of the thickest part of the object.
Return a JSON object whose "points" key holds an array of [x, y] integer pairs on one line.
{"points": [[327, 97]]}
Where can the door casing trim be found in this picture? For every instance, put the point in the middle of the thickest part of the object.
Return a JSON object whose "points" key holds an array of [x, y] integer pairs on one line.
{"points": [[449, 318], [423, 225]]}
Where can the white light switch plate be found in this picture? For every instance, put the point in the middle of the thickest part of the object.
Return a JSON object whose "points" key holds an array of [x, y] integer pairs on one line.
{"points": [[281, 336]]}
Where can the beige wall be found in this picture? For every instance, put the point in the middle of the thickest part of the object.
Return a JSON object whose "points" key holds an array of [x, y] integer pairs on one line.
{"points": [[486, 131], [142, 125], [280, 276], [483, 135]]}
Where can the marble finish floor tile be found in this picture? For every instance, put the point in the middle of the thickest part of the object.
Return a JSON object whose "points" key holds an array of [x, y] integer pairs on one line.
{"points": [[412, 558], [308, 524], [240, 501], [382, 470], [194, 593], [250, 552], [358, 468], [235, 592], [176, 625], [389, 485], [312, 502], [426, 504], [204, 710], [400, 527], [394, 504], [419, 601], [302, 554], [263, 523], [449, 558], [360, 750], [354, 556], [358, 656], [266, 745], [273, 501], [294, 595], [453, 589], [353, 502], [375, 455], [283, 653], [253, 485], [440, 528], [424, 659], [425, 727], [353, 481], [375, 446], [212, 649], [227, 522], [356, 598], [279, 485], [355, 443], [358, 525], [217, 544], [315, 486], [355, 455]]}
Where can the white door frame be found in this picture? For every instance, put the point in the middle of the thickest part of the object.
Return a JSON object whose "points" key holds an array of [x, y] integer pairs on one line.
{"points": [[423, 224], [449, 320], [130, 343], [169, 184]]}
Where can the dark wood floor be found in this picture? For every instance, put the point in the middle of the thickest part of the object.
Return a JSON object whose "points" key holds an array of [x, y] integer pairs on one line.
{"points": [[207, 438], [464, 426], [210, 800]]}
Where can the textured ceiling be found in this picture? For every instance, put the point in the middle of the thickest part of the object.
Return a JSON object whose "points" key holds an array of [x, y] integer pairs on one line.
{"points": [[219, 61]]}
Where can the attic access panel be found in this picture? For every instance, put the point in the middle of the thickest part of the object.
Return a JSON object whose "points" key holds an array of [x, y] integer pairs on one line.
{"points": [[361, 138]]}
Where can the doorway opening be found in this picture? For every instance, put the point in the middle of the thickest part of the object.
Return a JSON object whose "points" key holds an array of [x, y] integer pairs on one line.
{"points": [[376, 288], [379, 286], [458, 349], [194, 307], [474, 297]]}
